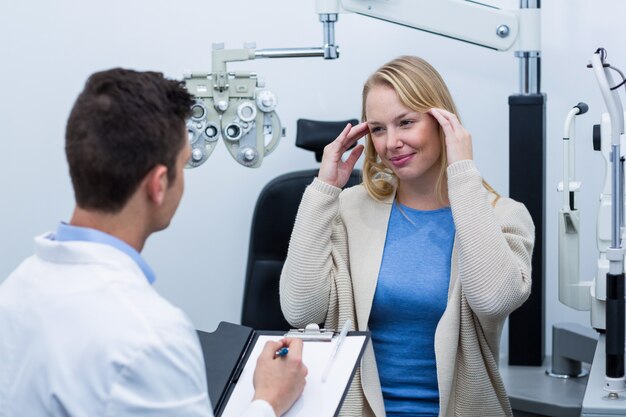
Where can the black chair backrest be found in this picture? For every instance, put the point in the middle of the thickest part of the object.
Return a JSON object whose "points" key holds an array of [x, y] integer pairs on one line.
{"points": [[272, 223]]}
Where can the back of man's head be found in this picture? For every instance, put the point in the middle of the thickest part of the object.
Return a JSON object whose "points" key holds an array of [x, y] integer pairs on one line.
{"points": [[122, 125]]}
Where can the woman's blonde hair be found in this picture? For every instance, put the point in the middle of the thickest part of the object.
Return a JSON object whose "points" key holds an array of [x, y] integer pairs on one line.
{"points": [[420, 88]]}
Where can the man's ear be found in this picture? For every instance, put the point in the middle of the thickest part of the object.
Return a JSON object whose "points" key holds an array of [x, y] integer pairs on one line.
{"points": [[157, 183]]}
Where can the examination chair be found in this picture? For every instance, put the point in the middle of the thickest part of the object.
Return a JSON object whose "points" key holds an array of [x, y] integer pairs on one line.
{"points": [[272, 222]]}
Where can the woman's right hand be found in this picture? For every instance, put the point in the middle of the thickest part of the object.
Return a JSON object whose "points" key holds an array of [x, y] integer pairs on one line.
{"points": [[334, 170]]}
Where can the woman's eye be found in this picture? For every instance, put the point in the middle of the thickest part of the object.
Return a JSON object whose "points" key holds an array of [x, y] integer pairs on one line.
{"points": [[406, 122], [375, 129]]}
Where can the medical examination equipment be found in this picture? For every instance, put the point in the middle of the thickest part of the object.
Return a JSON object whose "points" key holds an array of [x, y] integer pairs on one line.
{"points": [[232, 106], [604, 295], [235, 106], [614, 304], [572, 292]]}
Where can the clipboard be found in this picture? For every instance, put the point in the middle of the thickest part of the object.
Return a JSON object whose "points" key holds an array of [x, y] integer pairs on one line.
{"points": [[231, 351]]}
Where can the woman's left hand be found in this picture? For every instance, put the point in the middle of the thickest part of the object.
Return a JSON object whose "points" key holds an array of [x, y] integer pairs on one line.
{"points": [[458, 140]]}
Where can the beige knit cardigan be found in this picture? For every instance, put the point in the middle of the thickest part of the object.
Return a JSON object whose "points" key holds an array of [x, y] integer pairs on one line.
{"points": [[332, 267]]}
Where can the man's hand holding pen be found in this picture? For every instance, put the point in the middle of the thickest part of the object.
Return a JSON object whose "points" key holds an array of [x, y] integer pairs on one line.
{"points": [[280, 382], [282, 351]]}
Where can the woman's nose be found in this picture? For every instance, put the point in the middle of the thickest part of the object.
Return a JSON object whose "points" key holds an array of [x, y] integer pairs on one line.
{"points": [[393, 139]]}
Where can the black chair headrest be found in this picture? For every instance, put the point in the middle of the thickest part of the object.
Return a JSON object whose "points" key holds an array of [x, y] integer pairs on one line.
{"points": [[314, 135]]}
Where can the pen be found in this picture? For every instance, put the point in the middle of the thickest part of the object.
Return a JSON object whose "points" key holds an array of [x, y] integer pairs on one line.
{"points": [[342, 337], [282, 351]]}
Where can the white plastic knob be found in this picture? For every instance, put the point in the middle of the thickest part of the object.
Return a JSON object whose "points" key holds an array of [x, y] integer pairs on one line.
{"points": [[196, 154], [266, 101], [222, 105], [246, 111], [248, 155]]}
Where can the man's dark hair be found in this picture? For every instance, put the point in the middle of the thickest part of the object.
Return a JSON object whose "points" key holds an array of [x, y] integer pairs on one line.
{"points": [[122, 125]]}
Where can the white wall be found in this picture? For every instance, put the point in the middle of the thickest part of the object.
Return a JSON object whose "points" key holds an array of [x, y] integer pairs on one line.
{"points": [[48, 49]]}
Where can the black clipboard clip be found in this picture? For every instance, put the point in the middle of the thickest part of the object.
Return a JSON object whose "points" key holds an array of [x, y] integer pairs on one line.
{"points": [[312, 332]]}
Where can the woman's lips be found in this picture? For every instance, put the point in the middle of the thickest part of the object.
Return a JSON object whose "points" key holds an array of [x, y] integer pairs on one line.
{"points": [[399, 161]]}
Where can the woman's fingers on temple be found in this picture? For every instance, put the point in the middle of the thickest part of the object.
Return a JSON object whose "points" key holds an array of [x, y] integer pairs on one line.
{"points": [[357, 131], [442, 120], [446, 119], [353, 135]]}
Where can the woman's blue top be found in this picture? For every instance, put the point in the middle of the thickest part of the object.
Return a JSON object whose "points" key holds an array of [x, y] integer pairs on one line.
{"points": [[410, 298]]}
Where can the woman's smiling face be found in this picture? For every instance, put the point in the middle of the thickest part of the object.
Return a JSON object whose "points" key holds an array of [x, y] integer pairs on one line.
{"points": [[407, 142]]}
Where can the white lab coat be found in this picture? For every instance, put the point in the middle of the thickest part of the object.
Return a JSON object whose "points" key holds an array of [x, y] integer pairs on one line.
{"points": [[83, 333]]}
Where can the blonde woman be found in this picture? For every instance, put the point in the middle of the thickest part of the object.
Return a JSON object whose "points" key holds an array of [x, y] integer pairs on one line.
{"points": [[424, 254]]}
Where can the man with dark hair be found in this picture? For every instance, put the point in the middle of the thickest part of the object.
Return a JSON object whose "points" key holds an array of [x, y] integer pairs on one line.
{"points": [[82, 331]]}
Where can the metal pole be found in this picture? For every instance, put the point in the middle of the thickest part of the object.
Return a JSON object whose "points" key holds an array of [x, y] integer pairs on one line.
{"points": [[289, 53]]}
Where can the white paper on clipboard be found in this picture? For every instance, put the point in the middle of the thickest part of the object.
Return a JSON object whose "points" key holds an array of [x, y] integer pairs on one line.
{"points": [[319, 399]]}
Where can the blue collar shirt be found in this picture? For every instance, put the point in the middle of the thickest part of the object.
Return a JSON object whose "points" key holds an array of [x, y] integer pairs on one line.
{"points": [[67, 232]]}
